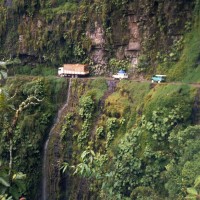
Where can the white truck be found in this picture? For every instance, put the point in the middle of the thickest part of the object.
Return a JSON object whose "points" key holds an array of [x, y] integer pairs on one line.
{"points": [[120, 75], [73, 70]]}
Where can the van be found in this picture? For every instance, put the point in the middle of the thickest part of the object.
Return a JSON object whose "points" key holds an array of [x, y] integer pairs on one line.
{"points": [[158, 78]]}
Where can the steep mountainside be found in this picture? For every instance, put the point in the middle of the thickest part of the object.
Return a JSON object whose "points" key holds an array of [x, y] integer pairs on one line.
{"points": [[94, 138], [144, 35], [112, 140]]}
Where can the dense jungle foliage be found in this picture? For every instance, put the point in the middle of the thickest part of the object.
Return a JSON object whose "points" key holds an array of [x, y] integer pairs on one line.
{"points": [[27, 106], [115, 139], [138, 149], [49, 33], [122, 140]]}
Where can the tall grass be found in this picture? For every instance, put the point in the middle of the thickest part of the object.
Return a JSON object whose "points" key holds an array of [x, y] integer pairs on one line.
{"points": [[188, 67], [38, 70], [168, 97], [63, 8]]}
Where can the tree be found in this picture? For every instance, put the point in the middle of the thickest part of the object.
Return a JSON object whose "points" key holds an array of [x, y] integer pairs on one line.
{"points": [[11, 187], [3, 72], [193, 192], [183, 168], [6, 106]]}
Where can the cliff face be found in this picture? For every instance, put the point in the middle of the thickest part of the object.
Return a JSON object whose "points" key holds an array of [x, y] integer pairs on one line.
{"points": [[115, 139], [93, 31], [122, 140], [111, 139]]}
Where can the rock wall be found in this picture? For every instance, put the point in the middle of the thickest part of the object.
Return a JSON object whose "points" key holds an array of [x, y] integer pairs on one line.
{"points": [[95, 31]]}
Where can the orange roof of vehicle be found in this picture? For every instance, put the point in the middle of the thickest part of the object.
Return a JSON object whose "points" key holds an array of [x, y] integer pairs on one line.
{"points": [[75, 65]]}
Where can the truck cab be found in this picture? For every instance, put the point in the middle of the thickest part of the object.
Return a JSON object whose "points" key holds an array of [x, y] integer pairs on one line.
{"points": [[158, 78], [60, 71], [120, 75]]}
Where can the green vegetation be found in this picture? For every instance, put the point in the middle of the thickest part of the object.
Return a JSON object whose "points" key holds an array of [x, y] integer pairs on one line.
{"points": [[54, 32], [115, 139], [128, 141], [61, 9], [3, 19], [14, 186], [117, 65], [167, 96], [27, 111], [192, 192], [187, 67], [140, 143], [38, 70]]}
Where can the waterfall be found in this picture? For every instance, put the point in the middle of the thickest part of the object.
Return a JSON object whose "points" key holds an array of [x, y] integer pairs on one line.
{"points": [[49, 181]]}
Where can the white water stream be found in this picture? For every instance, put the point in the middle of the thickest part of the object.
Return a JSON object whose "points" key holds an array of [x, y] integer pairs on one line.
{"points": [[45, 167]]}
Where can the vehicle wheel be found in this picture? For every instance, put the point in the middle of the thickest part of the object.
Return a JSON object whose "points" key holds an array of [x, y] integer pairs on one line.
{"points": [[152, 81], [158, 81]]}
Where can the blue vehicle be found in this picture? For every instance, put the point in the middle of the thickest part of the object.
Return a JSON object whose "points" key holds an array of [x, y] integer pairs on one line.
{"points": [[158, 78]]}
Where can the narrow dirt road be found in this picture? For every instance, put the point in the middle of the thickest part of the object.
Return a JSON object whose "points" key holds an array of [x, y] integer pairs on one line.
{"points": [[197, 85]]}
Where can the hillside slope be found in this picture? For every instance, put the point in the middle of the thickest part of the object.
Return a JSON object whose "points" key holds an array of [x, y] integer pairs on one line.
{"points": [[115, 140], [144, 36]]}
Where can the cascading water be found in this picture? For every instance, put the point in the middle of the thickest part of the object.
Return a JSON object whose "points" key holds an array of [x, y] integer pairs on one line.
{"points": [[50, 181]]}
